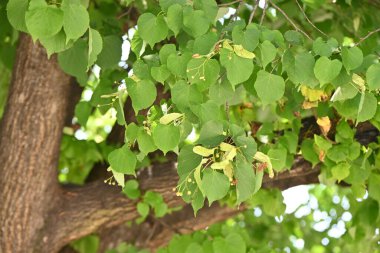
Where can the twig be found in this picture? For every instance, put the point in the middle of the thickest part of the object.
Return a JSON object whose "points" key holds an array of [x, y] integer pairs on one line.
{"points": [[367, 36], [124, 13], [256, 3], [289, 19], [264, 12], [308, 20], [230, 3]]}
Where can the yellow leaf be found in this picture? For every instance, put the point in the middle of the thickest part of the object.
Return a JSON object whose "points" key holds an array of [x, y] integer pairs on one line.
{"points": [[308, 105], [324, 124], [168, 118], [242, 52], [312, 95], [227, 45], [261, 157], [203, 151], [228, 171], [220, 165]]}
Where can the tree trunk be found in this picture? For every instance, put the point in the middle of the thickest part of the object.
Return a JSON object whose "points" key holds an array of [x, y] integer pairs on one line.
{"points": [[30, 134]]}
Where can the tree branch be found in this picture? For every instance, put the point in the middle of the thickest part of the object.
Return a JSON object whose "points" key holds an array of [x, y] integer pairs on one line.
{"points": [[367, 36]]}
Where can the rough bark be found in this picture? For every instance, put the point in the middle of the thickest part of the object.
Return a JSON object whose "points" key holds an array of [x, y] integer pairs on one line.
{"points": [[30, 135]]}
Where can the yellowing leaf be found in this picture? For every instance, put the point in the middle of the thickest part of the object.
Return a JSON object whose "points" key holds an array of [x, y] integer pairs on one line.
{"points": [[168, 118], [226, 147], [261, 157], [197, 177], [324, 124], [312, 95], [359, 81], [203, 151], [227, 45], [228, 171], [220, 165], [242, 52]]}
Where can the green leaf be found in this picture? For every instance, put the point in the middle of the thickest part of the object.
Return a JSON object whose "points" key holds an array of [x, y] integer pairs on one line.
{"points": [[95, 45], [131, 189], [215, 184], [268, 53], [203, 71], [195, 22], [74, 60], [143, 93], [131, 132], [197, 201], [205, 43], [145, 141], [308, 152], [16, 10], [56, 43], [322, 143], [247, 146], [160, 74], [123, 160], [278, 158], [185, 95], [165, 51], [373, 186], [322, 48], [152, 29], [165, 4], [44, 22], [338, 153], [110, 55], [304, 69], [340, 171], [166, 137], [208, 6], [187, 160], [75, 20], [238, 69], [249, 38], [160, 210], [233, 243], [367, 107], [269, 87], [177, 64], [344, 92], [211, 134], [174, 18], [82, 111], [326, 70], [294, 37], [373, 77], [143, 209], [245, 176], [352, 57]]}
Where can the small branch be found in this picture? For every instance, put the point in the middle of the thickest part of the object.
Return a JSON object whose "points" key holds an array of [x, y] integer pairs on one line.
{"points": [[230, 3], [290, 20], [308, 20], [264, 12], [256, 3], [367, 36]]}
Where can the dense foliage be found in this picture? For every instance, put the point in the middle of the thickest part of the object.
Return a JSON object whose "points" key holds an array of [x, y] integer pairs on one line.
{"points": [[252, 88]]}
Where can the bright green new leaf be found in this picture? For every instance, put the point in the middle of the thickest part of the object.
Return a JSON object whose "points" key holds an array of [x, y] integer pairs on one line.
{"points": [[269, 87], [123, 160], [166, 137], [16, 10], [152, 29], [238, 69], [322, 143], [326, 70], [373, 77], [215, 185], [352, 57], [143, 209], [308, 152], [44, 22], [340, 171], [268, 53], [131, 189], [82, 111], [76, 20], [143, 93]]}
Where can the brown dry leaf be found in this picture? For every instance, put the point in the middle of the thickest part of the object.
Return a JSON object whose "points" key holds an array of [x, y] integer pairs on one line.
{"points": [[321, 155], [313, 95], [324, 124]]}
